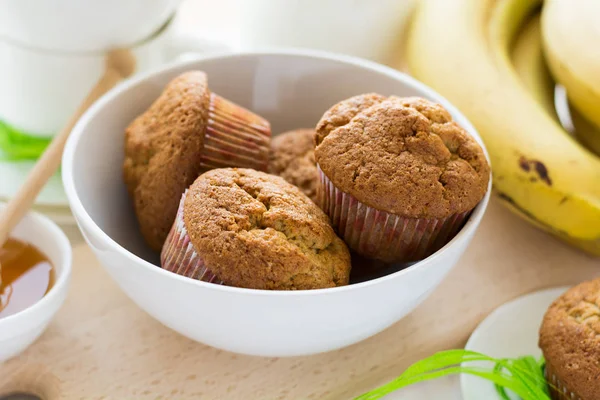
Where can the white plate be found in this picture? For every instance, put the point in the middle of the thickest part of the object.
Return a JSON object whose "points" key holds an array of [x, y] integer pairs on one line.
{"points": [[509, 331], [13, 175]]}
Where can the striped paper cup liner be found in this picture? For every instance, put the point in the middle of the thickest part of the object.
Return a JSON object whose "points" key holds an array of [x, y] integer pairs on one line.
{"points": [[178, 254], [558, 391], [234, 137], [381, 235]]}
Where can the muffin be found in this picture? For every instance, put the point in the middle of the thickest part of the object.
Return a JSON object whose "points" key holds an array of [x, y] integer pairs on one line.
{"points": [[293, 158], [246, 228], [570, 342], [397, 176], [186, 131]]}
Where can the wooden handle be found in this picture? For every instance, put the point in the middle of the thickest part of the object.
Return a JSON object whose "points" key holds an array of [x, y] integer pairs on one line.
{"points": [[119, 65]]}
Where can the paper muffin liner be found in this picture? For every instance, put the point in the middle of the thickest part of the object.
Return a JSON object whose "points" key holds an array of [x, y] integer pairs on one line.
{"points": [[381, 235], [234, 137], [178, 254], [558, 391]]}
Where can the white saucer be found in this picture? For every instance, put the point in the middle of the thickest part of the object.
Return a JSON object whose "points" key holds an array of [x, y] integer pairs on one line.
{"points": [[509, 331], [12, 176]]}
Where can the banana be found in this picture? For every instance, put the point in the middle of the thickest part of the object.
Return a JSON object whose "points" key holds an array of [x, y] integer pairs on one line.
{"points": [[585, 131], [529, 63], [538, 169], [571, 36]]}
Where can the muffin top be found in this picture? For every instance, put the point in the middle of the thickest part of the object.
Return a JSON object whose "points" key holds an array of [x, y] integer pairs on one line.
{"points": [[570, 339], [161, 153], [405, 156], [256, 230], [293, 158]]}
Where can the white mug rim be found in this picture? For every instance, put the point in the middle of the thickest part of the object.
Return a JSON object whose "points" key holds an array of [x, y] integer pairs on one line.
{"points": [[156, 35]]}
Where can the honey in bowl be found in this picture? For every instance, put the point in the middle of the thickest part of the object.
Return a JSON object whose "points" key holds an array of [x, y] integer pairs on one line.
{"points": [[27, 275]]}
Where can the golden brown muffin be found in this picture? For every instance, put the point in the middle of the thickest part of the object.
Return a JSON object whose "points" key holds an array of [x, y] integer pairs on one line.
{"points": [[570, 342], [256, 230], [397, 176], [186, 131], [161, 153], [293, 158], [405, 156]]}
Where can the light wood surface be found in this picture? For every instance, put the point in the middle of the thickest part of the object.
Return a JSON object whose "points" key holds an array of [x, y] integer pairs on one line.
{"points": [[119, 64], [101, 346]]}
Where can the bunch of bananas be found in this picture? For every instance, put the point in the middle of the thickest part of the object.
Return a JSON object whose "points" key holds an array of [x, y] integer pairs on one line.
{"points": [[497, 61]]}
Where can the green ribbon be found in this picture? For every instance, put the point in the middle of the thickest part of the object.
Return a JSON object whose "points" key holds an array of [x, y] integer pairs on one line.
{"points": [[16, 145]]}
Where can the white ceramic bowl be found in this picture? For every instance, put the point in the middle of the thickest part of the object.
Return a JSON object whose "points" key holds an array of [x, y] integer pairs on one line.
{"points": [[292, 89], [19, 330]]}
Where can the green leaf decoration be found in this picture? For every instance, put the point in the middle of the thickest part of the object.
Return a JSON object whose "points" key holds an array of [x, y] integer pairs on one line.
{"points": [[524, 376], [18, 146]]}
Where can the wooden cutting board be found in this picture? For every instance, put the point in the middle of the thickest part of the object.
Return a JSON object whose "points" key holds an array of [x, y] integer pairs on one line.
{"points": [[101, 346]]}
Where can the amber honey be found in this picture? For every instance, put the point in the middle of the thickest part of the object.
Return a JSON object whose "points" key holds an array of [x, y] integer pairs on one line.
{"points": [[27, 275]]}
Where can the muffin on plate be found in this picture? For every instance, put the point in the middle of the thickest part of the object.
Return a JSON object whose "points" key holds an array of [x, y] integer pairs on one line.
{"points": [[246, 228], [397, 176], [186, 131], [570, 342], [293, 158]]}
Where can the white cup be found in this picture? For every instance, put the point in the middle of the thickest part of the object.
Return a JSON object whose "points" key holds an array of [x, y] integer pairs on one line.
{"points": [[82, 25], [42, 88], [363, 28]]}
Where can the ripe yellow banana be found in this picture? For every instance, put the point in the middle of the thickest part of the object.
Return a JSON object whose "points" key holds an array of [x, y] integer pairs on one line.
{"points": [[571, 35], [529, 63], [537, 168]]}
